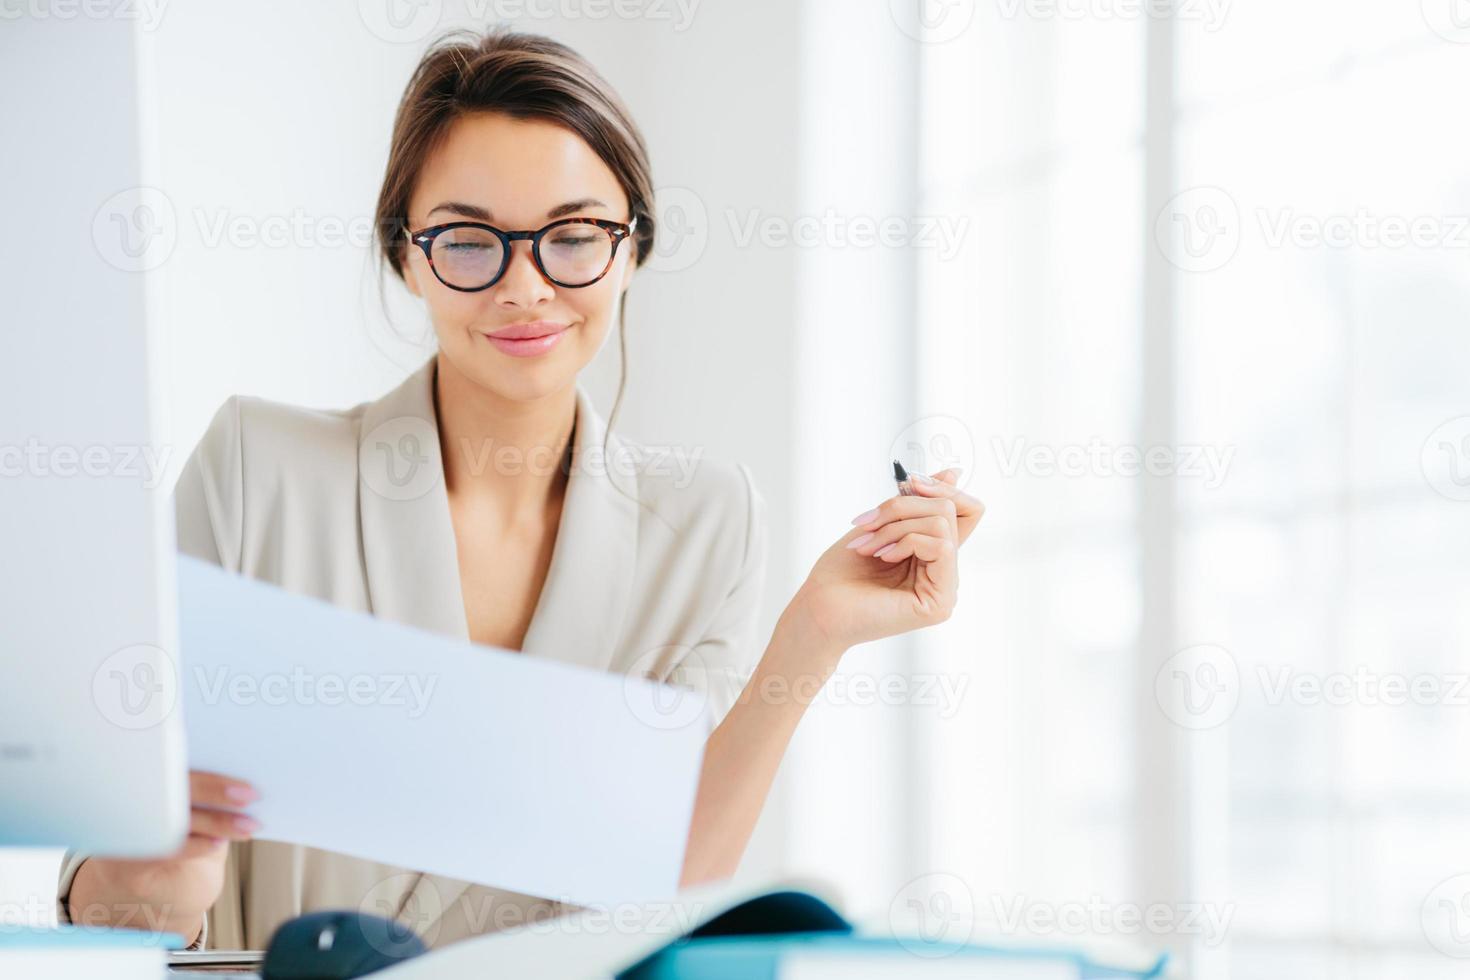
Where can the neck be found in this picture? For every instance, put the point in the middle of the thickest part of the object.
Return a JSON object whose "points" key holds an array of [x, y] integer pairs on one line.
{"points": [[503, 453]]}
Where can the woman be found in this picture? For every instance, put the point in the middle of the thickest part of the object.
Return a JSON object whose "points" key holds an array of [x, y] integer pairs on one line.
{"points": [[484, 498]]}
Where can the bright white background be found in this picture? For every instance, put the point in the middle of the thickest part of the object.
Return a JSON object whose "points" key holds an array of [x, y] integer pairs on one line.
{"points": [[1107, 237]]}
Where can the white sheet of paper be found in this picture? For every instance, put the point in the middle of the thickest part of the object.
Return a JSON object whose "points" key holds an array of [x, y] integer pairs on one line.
{"points": [[381, 741]]}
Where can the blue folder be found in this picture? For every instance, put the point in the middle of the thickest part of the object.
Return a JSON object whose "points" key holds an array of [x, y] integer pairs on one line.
{"points": [[752, 940]]}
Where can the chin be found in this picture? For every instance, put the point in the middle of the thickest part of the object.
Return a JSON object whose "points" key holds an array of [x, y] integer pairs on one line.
{"points": [[519, 378]]}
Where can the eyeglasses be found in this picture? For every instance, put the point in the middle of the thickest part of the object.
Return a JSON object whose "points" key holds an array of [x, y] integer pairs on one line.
{"points": [[572, 253]]}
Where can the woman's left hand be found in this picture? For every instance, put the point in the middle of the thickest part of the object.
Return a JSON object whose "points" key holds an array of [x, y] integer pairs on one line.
{"points": [[897, 570]]}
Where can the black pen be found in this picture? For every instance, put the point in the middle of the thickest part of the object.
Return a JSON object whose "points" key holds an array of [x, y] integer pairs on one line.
{"points": [[901, 477]]}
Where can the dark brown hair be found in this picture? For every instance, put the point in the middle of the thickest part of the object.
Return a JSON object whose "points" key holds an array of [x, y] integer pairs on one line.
{"points": [[525, 76]]}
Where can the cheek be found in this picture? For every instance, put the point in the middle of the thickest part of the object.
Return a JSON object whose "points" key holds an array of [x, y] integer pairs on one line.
{"points": [[450, 311], [598, 304], [453, 311], [597, 308]]}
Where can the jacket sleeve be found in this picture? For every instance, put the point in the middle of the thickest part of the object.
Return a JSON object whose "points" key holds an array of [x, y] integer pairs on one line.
{"points": [[209, 498]]}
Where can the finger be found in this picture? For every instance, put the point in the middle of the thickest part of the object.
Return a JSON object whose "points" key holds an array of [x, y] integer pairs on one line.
{"points": [[925, 547], [937, 526], [212, 789], [968, 509], [950, 476], [903, 508], [897, 509], [938, 574], [222, 824]]}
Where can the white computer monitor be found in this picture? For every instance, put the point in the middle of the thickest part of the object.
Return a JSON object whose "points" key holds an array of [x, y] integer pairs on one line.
{"points": [[91, 742]]}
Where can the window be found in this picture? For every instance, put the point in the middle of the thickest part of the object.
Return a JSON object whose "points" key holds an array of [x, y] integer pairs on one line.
{"points": [[1247, 292]]}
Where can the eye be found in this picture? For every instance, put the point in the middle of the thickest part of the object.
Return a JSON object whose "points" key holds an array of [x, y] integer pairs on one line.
{"points": [[575, 239]]}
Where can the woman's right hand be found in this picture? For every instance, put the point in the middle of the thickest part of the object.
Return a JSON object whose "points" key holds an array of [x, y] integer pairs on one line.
{"points": [[169, 894]]}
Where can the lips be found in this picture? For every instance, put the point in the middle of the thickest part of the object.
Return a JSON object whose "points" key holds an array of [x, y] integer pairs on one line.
{"points": [[527, 339], [527, 331]]}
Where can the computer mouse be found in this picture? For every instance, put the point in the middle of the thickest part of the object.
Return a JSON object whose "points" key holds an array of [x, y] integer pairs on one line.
{"points": [[337, 945]]}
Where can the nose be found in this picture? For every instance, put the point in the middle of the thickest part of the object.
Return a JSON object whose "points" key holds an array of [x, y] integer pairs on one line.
{"points": [[523, 285]]}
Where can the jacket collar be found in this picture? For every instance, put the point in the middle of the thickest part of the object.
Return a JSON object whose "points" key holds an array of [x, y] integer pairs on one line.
{"points": [[408, 542]]}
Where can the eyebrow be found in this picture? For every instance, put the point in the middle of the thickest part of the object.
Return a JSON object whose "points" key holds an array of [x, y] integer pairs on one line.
{"points": [[476, 213]]}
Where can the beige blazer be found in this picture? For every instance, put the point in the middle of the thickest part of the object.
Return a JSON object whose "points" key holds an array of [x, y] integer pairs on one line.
{"points": [[669, 585]]}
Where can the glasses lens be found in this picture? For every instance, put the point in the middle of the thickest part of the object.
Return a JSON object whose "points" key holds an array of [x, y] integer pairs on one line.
{"points": [[576, 254], [467, 257]]}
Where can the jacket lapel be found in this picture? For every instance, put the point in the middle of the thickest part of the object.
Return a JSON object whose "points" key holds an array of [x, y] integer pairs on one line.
{"points": [[411, 559], [408, 547], [588, 586]]}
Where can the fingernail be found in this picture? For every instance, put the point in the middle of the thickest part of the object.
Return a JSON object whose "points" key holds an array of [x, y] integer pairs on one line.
{"points": [[886, 547], [246, 825], [865, 517], [922, 478], [860, 540], [241, 794]]}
